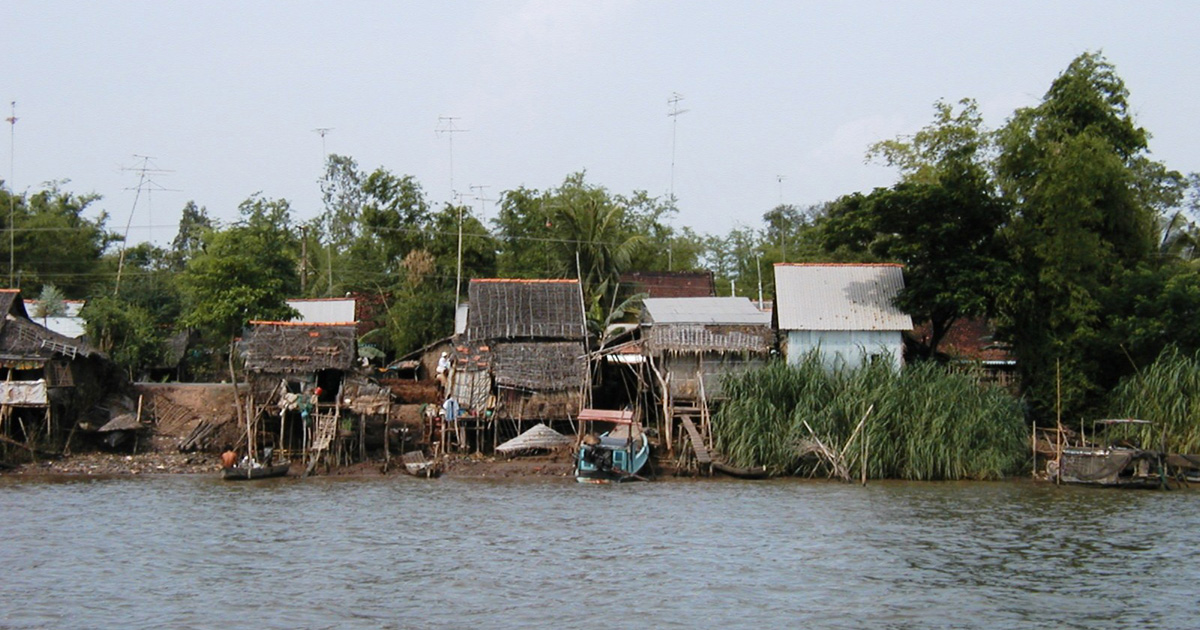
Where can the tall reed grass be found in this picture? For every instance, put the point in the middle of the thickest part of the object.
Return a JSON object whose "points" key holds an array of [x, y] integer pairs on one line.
{"points": [[927, 423], [1167, 393]]}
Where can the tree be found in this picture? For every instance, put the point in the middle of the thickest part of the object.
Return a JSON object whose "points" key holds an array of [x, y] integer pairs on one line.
{"points": [[524, 228], [193, 223], [245, 272], [50, 303], [941, 221], [126, 331], [1084, 195], [53, 243], [593, 242]]}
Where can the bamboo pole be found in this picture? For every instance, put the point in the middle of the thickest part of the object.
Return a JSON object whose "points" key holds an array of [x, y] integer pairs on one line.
{"points": [[1033, 472], [1058, 419]]}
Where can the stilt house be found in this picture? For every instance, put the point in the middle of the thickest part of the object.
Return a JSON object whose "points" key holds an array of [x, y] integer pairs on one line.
{"points": [[525, 343], [305, 373], [48, 382], [694, 342]]}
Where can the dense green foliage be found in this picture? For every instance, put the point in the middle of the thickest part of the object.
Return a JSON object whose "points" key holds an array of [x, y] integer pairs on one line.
{"points": [[1167, 393], [941, 221], [926, 423]]}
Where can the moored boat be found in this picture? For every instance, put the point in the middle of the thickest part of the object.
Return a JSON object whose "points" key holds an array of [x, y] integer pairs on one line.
{"points": [[245, 471], [417, 465], [608, 458], [1117, 463]]}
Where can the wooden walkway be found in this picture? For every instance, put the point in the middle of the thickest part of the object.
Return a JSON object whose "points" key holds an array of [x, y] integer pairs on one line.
{"points": [[703, 457]]}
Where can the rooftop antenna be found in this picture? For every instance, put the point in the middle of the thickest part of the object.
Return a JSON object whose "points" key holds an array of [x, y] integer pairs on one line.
{"points": [[12, 195], [674, 114], [481, 198], [324, 131], [446, 126], [146, 168]]}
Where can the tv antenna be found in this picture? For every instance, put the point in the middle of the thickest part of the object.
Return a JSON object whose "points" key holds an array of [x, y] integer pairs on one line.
{"points": [[145, 170], [12, 195], [323, 131], [674, 114], [446, 126], [479, 196]]}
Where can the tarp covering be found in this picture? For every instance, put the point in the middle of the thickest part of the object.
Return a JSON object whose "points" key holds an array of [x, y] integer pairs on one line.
{"points": [[23, 393]]}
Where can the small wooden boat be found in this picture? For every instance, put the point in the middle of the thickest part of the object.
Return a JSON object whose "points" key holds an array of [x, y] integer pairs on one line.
{"points": [[417, 465], [242, 472], [722, 466]]}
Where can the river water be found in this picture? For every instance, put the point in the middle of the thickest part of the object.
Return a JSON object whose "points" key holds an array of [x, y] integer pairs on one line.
{"points": [[193, 552]]}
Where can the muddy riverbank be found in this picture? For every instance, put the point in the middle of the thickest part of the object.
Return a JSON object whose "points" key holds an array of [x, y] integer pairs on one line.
{"points": [[166, 463]]}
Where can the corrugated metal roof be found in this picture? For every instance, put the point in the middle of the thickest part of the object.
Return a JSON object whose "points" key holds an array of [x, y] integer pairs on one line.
{"points": [[325, 310], [839, 297], [705, 310]]}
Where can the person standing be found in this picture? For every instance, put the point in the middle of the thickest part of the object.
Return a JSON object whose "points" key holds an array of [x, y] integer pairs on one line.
{"points": [[443, 370]]}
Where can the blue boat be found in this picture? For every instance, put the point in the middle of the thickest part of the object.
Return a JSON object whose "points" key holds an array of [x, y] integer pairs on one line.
{"points": [[608, 458]]}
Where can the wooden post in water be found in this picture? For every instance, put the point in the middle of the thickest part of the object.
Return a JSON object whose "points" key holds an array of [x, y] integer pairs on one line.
{"points": [[1033, 443], [1058, 419]]}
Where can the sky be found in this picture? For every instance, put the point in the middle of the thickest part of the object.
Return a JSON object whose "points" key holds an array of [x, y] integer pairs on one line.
{"points": [[779, 101]]}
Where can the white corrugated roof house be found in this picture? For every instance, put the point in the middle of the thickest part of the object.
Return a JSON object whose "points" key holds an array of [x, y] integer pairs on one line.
{"points": [[324, 310], [844, 310]]}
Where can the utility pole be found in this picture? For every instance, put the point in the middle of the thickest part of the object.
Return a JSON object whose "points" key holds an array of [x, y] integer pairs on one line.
{"points": [[12, 196], [446, 126], [674, 115], [146, 169], [324, 131]]}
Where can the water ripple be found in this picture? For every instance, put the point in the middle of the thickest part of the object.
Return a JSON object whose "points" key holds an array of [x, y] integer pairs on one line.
{"points": [[192, 552]]}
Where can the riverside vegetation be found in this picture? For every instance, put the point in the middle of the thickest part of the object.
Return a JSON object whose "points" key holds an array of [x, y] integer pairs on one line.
{"points": [[924, 422], [929, 422]]}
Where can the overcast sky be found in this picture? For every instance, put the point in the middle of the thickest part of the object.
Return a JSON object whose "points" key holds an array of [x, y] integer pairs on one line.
{"points": [[781, 98]]}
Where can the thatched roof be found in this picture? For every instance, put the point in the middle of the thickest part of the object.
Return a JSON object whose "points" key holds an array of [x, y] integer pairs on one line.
{"points": [[710, 338], [12, 304], [537, 438], [525, 309], [25, 340], [539, 366], [290, 348]]}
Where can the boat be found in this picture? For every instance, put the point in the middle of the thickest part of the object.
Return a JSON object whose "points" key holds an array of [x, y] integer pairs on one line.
{"points": [[1114, 464], [253, 470], [612, 458], [417, 465]]}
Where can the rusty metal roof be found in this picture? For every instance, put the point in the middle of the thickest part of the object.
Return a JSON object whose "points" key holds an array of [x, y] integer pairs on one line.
{"points": [[839, 297]]}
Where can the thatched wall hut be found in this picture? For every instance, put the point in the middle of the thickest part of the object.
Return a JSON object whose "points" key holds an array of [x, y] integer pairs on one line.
{"points": [[530, 336], [698, 341]]}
